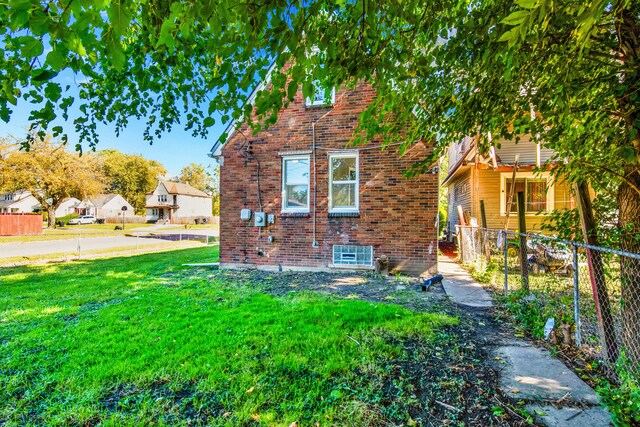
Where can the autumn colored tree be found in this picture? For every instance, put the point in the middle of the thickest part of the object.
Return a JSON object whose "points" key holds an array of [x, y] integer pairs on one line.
{"points": [[50, 172], [132, 176]]}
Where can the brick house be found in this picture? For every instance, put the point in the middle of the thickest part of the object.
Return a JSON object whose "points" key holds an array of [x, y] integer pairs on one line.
{"points": [[294, 197]]}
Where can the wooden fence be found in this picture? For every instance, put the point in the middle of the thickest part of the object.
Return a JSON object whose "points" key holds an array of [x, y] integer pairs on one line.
{"points": [[19, 224]]}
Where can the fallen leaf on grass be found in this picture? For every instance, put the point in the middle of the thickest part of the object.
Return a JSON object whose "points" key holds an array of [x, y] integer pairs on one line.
{"points": [[250, 390], [541, 413]]}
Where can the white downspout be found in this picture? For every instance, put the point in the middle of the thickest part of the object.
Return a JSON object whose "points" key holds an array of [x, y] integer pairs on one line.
{"points": [[313, 150]]}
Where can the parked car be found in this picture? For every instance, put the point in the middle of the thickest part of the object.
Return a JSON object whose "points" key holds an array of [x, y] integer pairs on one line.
{"points": [[84, 219]]}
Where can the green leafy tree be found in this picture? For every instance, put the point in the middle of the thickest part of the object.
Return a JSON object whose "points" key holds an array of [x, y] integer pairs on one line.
{"points": [[442, 70], [50, 173], [132, 176]]}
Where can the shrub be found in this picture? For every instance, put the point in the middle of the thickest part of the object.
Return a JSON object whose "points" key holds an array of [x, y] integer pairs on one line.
{"points": [[623, 401], [64, 220]]}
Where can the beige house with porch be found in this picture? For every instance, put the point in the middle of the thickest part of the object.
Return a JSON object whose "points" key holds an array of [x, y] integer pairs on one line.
{"points": [[176, 203], [474, 176]]}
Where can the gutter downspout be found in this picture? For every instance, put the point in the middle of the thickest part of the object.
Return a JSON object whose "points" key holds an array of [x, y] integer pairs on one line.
{"points": [[313, 150]]}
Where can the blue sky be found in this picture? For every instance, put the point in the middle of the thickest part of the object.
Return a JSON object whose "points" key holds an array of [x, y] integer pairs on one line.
{"points": [[174, 150]]}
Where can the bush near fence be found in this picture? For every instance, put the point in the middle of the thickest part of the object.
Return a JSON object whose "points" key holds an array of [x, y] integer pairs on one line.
{"points": [[20, 224], [539, 277], [556, 269]]}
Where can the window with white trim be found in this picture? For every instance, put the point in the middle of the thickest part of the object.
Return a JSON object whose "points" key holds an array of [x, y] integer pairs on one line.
{"points": [[343, 182], [8, 197], [162, 198], [538, 192], [321, 96], [295, 184]]}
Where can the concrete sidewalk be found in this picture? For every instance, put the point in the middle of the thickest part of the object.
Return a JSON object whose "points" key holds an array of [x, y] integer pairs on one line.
{"points": [[554, 395], [460, 286]]}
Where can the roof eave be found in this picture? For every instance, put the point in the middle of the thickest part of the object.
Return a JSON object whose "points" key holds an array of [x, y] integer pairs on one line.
{"points": [[216, 150]]}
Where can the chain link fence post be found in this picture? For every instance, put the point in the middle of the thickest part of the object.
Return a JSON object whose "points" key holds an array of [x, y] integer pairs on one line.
{"points": [[79, 253], [505, 249], [576, 297]]}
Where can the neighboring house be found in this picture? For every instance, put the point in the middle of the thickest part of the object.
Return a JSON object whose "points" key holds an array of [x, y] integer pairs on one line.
{"points": [[71, 206], [20, 201], [109, 206], [178, 203], [294, 197], [474, 176]]}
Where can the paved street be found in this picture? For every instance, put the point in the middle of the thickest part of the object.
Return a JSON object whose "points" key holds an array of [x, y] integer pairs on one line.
{"points": [[18, 249]]}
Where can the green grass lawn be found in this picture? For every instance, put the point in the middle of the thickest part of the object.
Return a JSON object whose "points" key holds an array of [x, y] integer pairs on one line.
{"points": [[96, 230], [142, 340]]}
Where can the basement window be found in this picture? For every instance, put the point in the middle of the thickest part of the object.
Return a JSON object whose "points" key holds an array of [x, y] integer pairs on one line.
{"points": [[355, 256]]}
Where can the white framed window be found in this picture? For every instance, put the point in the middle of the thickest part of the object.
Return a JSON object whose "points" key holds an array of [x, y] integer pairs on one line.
{"points": [[538, 192], [295, 184], [343, 182], [162, 198], [8, 197], [320, 97], [355, 256]]}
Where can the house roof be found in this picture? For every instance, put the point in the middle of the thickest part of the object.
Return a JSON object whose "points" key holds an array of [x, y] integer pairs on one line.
{"points": [[453, 172], [186, 189], [18, 196], [235, 124], [7, 203], [102, 199]]}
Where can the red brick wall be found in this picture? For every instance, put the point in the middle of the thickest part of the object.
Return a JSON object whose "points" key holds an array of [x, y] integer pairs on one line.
{"points": [[397, 215], [20, 224]]}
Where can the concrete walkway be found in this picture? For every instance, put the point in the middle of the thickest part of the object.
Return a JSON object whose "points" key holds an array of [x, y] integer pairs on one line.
{"points": [[461, 287], [554, 395]]}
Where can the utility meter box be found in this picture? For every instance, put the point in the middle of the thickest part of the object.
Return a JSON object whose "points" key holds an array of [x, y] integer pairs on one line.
{"points": [[245, 214], [260, 219]]}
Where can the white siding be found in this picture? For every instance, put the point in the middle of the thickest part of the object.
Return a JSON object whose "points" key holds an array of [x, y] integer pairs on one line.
{"points": [[191, 206], [67, 207], [114, 206]]}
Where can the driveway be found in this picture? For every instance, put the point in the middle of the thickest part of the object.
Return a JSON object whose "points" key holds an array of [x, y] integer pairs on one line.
{"points": [[26, 249]]}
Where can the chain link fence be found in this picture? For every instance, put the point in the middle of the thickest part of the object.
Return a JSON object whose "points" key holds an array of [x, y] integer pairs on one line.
{"points": [[591, 293], [78, 243]]}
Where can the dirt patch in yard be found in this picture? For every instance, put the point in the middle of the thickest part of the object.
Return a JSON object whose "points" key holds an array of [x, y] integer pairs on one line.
{"points": [[450, 382]]}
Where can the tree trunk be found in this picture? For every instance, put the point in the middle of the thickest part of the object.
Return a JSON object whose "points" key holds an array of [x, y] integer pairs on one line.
{"points": [[597, 275], [51, 217], [629, 224]]}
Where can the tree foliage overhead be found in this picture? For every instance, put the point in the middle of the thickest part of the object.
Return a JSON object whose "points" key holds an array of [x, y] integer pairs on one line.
{"points": [[132, 176], [50, 173], [442, 70]]}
